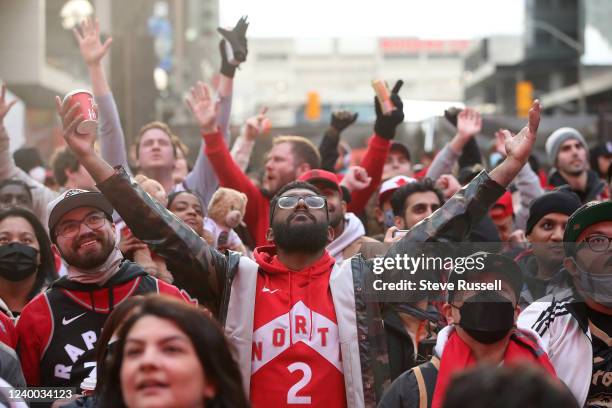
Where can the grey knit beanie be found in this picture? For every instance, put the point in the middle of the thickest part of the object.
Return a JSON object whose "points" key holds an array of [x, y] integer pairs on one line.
{"points": [[556, 139]]}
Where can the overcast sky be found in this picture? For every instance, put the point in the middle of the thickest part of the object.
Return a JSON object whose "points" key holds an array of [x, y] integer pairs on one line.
{"points": [[435, 19]]}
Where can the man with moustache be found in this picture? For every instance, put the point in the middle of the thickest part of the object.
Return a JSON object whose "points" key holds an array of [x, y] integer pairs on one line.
{"points": [[576, 324], [59, 328], [302, 328], [567, 152]]}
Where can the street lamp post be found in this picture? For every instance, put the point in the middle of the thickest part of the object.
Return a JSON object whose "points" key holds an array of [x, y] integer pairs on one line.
{"points": [[576, 45]]}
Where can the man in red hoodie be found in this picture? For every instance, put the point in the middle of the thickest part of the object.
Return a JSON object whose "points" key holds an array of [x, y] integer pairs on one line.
{"points": [[290, 157], [302, 329]]}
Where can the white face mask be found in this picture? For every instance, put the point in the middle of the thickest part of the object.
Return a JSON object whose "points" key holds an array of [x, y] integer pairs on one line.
{"points": [[595, 286]]}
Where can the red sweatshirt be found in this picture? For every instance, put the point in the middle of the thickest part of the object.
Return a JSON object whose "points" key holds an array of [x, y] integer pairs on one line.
{"points": [[8, 334], [296, 351], [373, 162], [256, 216], [231, 176]]}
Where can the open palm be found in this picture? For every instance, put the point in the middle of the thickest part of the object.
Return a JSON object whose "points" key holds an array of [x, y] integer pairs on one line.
{"points": [[469, 122], [92, 49], [519, 146], [203, 108]]}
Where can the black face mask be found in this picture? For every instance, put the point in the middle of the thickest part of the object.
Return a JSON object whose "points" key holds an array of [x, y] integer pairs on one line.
{"points": [[17, 261], [487, 317]]}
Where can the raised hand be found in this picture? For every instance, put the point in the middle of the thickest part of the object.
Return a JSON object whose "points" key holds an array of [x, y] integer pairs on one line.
{"points": [[88, 37], [342, 119], [356, 179], [237, 40], [469, 123], [518, 147], [4, 107], [385, 125], [71, 117], [448, 184], [203, 108], [257, 125], [451, 115]]}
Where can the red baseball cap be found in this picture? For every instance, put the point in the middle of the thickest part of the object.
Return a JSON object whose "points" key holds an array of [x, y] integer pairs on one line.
{"points": [[321, 176], [502, 207]]}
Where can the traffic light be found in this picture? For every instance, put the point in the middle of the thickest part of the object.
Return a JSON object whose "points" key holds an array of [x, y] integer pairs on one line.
{"points": [[313, 106], [524, 98]]}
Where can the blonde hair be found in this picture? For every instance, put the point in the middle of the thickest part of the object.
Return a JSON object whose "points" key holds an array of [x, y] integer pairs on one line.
{"points": [[303, 150], [156, 125]]}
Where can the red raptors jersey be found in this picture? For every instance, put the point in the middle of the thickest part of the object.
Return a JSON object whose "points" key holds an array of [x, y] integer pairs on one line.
{"points": [[296, 352]]}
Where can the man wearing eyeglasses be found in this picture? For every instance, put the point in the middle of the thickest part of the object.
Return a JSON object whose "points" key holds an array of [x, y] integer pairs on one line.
{"points": [[59, 328], [302, 330], [576, 324]]}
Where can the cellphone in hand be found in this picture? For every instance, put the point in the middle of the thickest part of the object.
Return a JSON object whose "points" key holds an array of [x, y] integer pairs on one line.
{"points": [[399, 233]]}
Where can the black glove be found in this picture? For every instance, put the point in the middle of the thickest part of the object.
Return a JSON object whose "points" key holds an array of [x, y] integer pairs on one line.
{"points": [[385, 125], [451, 115], [342, 119], [236, 38]]}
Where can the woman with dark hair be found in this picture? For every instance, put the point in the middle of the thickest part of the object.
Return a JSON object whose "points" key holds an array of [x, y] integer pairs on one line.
{"points": [[188, 207], [171, 354], [26, 259], [105, 349]]}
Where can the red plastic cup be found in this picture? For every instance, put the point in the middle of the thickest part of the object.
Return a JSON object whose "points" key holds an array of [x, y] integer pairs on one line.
{"points": [[85, 98]]}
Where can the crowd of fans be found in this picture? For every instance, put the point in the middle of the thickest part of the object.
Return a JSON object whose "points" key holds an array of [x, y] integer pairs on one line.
{"points": [[138, 280]]}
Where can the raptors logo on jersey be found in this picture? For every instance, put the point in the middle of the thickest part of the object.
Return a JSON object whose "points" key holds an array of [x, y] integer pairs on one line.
{"points": [[320, 334], [296, 352], [59, 328]]}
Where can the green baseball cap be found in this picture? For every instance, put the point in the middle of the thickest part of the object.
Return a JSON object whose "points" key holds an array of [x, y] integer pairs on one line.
{"points": [[587, 215]]}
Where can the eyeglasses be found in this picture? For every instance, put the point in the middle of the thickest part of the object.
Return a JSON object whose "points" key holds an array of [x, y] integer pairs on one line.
{"points": [[70, 229], [597, 243], [312, 202]]}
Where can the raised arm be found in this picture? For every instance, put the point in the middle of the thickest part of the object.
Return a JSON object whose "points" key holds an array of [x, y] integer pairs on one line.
{"points": [[203, 179], [228, 172], [378, 147], [526, 182], [243, 146], [469, 124], [465, 208], [112, 139], [328, 148], [203, 269]]}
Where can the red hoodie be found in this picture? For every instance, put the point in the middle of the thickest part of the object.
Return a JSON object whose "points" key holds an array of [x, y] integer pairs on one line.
{"points": [[296, 351]]}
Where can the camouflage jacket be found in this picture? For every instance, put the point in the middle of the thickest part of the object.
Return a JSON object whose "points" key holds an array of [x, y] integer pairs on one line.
{"points": [[212, 276]]}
